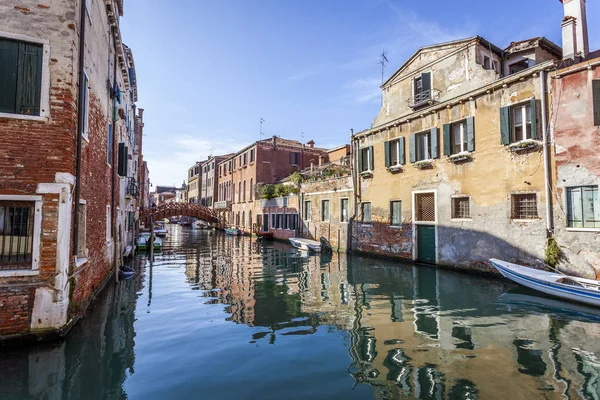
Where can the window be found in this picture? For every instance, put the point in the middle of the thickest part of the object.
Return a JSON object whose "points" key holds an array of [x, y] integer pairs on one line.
{"points": [[81, 230], [425, 207], [365, 159], [286, 221], [325, 210], [307, 211], [518, 122], [459, 137], [518, 66], [461, 207], [16, 235], [524, 206], [244, 193], [294, 222], [294, 158], [583, 207], [245, 158], [421, 89], [20, 77], [394, 152], [279, 221], [396, 213], [251, 189], [486, 62], [239, 192], [344, 210], [366, 212], [273, 221], [424, 145], [109, 145], [596, 101], [521, 127], [243, 218], [250, 219], [86, 107], [252, 155], [108, 223]]}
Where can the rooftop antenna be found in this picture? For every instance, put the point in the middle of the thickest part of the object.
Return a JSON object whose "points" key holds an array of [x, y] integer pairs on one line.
{"points": [[383, 61], [261, 132], [302, 136]]}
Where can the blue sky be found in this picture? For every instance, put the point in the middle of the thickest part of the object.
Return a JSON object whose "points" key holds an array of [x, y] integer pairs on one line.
{"points": [[209, 70]]}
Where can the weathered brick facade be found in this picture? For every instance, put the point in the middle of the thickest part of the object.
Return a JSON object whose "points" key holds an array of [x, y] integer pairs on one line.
{"points": [[38, 165]]}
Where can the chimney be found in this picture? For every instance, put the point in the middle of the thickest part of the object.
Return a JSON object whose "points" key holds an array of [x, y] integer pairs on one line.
{"points": [[312, 165], [311, 144], [320, 160], [574, 29], [274, 140]]}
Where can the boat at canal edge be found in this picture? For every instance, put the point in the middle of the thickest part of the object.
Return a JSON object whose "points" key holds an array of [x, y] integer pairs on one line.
{"points": [[572, 288], [233, 231], [144, 238], [306, 244]]}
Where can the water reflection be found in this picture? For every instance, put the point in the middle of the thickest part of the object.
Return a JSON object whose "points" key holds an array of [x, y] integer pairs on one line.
{"points": [[280, 323]]}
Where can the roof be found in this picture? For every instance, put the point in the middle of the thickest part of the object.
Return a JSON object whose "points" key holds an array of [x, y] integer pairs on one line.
{"points": [[279, 141], [165, 189], [338, 148], [483, 41], [528, 44]]}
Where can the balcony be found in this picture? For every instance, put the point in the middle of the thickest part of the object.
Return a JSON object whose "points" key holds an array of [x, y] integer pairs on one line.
{"points": [[275, 202], [223, 205], [132, 189], [424, 98]]}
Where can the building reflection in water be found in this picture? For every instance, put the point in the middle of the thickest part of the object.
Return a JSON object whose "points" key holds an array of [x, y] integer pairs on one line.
{"points": [[93, 363], [411, 331]]}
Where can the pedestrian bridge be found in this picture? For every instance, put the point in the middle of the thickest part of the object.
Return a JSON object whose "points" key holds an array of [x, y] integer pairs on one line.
{"points": [[167, 210]]}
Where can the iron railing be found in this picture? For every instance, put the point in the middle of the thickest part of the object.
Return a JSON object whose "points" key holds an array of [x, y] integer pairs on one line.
{"points": [[16, 235], [132, 188], [426, 97]]}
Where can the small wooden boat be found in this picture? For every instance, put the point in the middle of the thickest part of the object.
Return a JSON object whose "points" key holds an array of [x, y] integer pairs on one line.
{"points": [[306, 244], [572, 288], [143, 240], [160, 230], [265, 235], [233, 231], [199, 225]]}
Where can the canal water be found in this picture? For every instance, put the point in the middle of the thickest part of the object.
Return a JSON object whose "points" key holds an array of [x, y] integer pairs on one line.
{"points": [[215, 316]]}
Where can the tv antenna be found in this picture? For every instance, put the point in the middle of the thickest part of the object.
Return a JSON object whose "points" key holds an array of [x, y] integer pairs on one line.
{"points": [[302, 136], [260, 131], [383, 60], [210, 152]]}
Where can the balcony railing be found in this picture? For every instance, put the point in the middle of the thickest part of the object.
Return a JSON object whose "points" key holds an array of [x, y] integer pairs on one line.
{"points": [[276, 202], [223, 205], [132, 188], [424, 98]]}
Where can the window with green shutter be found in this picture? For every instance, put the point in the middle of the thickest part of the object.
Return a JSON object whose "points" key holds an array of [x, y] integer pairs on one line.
{"points": [[20, 77], [596, 101], [365, 159], [459, 137], [518, 122], [394, 152], [421, 145]]}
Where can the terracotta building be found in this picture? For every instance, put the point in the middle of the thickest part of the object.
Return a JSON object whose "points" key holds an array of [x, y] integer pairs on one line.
{"points": [[194, 185], [69, 83], [263, 162]]}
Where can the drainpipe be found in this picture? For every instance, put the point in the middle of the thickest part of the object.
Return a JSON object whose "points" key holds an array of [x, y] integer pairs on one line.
{"points": [[80, 124], [353, 164], [547, 172]]}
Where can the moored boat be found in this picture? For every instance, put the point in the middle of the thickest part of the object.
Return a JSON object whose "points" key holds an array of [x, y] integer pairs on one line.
{"points": [[572, 288], [160, 230], [144, 239], [306, 244], [233, 231]]}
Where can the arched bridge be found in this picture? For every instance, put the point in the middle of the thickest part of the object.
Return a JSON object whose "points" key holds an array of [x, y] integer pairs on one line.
{"points": [[167, 210]]}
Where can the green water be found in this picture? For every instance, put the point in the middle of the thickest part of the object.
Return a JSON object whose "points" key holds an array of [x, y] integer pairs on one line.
{"points": [[225, 317]]}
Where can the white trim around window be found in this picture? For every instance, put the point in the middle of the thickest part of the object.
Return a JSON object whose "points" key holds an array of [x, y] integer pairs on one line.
{"points": [[37, 234], [45, 85]]}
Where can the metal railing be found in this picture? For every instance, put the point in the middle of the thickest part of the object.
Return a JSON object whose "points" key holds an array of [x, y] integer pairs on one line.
{"points": [[16, 235], [132, 188], [223, 205], [426, 97]]}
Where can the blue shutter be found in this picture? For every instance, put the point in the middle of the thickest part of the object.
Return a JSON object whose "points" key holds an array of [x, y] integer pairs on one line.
{"points": [[505, 125], [434, 143], [447, 139], [533, 110], [412, 144], [386, 150], [470, 134], [9, 54], [401, 154]]}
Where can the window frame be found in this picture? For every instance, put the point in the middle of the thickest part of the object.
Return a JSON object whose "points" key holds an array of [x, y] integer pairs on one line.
{"points": [[323, 201], [463, 137], [45, 80], [524, 107], [582, 228], [36, 233], [395, 144], [342, 220], [453, 201], [307, 210], [427, 135], [392, 224], [362, 212], [513, 198]]}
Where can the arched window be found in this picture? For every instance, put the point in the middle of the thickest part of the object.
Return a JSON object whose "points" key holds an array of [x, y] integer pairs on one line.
{"points": [[251, 191], [244, 196], [243, 218], [239, 197], [250, 219]]}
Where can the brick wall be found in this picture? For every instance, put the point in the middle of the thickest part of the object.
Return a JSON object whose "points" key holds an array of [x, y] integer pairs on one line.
{"points": [[15, 310]]}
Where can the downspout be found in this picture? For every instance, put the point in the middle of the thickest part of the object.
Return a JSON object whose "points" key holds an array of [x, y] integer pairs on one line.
{"points": [[80, 124], [547, 172], [353, 163]]}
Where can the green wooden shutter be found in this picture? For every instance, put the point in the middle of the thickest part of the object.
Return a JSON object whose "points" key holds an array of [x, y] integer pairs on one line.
{"points": [[426, 81], [434, 137], [9, 56], [596, 101], [401, 153], [122, 162], [447, 139], [29, 84], [412, 144], [386, 149], [360, 160], [371, 163], [533, 108], [505, 125], [470, 134]]}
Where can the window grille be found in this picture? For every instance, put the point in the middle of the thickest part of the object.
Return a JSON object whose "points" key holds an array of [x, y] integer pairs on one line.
{"points": [[461, 207], [425, 207], [16, 235], [524, 206]]}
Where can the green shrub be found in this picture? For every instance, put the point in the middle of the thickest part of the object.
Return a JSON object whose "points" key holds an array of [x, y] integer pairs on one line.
{"points": [[553, 253]]}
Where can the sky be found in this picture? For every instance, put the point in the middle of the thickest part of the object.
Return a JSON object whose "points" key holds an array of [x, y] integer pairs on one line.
{"points": [[209, 70]]}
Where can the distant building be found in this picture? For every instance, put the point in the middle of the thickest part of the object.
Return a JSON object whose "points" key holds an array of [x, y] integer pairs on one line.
{"points": [[181, 194], [210, 179], [194, 186], [163, 194]]}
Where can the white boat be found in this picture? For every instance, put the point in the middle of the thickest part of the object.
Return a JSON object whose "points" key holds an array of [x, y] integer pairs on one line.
{"points": [[160, 230], [581, 290], [306, 244], [143, 240]]}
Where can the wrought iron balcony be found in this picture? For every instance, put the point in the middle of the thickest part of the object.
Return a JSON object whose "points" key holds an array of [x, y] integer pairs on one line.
{"points": [[132, 188], [424, 98]]}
